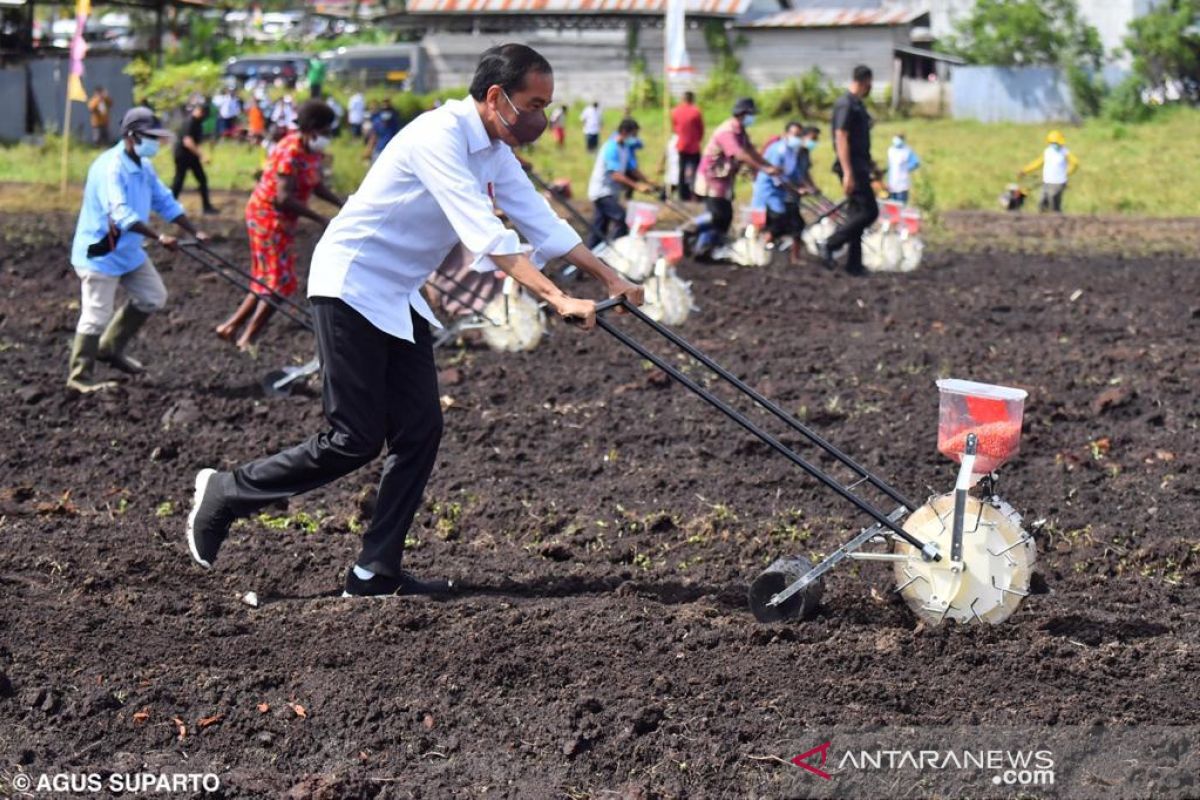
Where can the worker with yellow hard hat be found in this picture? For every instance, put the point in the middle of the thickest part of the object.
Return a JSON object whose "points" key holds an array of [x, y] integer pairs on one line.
{"points": [[1057, 164]]}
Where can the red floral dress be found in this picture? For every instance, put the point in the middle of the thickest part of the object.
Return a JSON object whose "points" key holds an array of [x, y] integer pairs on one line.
{"points": [[272, 262]]}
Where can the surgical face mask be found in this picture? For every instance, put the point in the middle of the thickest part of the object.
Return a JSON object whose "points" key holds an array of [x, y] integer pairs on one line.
{"points": [[634, 143], [528, 126], [748, 120], [318, 144], [811, 144], [794, 142], [147, 148], [897, 141]]}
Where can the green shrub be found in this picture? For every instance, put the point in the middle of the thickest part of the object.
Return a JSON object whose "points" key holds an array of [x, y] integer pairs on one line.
{"points": [[1087, 90], [170, 87], [644, 90], [809, 97], [1125, 104]]}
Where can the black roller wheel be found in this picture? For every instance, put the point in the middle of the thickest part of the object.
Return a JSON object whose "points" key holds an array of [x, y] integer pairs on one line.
{"points": [[782, 573]]}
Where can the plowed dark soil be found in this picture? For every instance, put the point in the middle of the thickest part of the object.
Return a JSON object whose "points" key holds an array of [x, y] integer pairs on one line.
{"points": [[607, 523]]}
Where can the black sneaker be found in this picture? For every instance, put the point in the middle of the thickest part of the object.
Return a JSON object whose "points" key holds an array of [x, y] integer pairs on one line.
{"points": [[387, 586], [212, 211], [209, 522]]}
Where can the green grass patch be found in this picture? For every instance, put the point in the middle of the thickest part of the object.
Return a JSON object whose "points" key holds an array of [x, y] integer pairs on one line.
{"points": [[1125, 168]]}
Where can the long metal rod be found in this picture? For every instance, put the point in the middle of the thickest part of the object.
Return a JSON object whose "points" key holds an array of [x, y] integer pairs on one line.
{"points": [[566, 204], [762, 435], [304, 322], [189, 245], [787, 418]]}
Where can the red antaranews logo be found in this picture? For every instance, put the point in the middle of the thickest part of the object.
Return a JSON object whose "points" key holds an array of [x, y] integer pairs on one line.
{"points": [[802, 760]]}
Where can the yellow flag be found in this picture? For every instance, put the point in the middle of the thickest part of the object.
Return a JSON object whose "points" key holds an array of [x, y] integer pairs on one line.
{"points": [[75, 89], [83, 7]]}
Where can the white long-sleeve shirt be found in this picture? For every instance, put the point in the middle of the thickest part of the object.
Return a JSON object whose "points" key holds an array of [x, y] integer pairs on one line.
{"points": [[431, 188]]}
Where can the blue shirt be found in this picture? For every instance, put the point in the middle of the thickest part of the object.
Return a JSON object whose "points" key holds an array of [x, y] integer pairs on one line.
{"points": [[385, 124], [794, 165], [123, 192], [613, 157]]}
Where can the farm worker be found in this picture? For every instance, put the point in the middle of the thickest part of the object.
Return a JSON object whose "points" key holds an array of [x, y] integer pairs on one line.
{"points": [[792, 154], [122, 189], [356, 113], [1057, 164], [229, 109], [558, 125], [283, 117], [853, 164], [687, 123], [429, 192], [616, 167], [316, 77], [256, 123], [99, 108], [385, 124], [338, 111], [293, 173], [727, 149], [901, 162], [190, 158], [591, 119]]}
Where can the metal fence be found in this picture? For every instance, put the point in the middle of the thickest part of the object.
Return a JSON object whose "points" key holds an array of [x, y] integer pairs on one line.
{"points": [[1011, 94], [33, 96]]}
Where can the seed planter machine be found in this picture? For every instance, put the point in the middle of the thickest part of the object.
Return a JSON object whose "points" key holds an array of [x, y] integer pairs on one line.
{"points": [[960, 556]]}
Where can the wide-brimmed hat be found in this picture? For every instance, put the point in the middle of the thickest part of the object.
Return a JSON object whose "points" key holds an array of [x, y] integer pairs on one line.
{"points": [[141, 120]]}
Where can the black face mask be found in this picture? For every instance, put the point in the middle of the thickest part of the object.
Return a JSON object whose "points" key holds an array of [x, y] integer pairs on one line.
{"points": [[529, 124]]}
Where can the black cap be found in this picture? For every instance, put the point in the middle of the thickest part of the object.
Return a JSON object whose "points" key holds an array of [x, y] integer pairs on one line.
{"points": [[142, 120], [744, 105]]}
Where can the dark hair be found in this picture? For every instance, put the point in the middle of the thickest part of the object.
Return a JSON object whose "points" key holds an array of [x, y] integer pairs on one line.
{"points": [[689, 96], [314, 116], [628, 125], [794, 124], [506, 66], [812, 130], [862, 73]]}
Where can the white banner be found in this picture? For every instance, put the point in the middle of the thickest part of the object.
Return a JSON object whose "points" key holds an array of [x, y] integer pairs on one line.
{"points": [[678, 65]]}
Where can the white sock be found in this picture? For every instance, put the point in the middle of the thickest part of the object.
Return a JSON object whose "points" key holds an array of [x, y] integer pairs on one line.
{"points": [[363, 574]]}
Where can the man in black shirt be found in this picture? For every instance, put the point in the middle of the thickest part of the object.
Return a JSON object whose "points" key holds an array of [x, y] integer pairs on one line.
{"points": [[189, 157], [853, 164]]}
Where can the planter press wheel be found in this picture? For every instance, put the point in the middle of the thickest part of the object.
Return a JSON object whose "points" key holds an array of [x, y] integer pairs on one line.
{"points": [[997, 565], [783, 572]]}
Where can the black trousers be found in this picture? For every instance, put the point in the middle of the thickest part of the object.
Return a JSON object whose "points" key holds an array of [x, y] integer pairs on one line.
{"points": [[607, 213], [721, 211], [378, 390], [190, 163], [861, 210], [688, 164]]}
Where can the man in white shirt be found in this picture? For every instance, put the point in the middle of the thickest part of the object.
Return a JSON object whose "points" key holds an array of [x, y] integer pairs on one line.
{"points": [[591, 126], [356, 113], [229, 108], [434, 187], [284, 115]]}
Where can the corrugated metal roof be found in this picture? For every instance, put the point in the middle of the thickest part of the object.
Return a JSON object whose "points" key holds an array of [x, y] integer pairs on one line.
{"points": [[711, 8], [838, 18]]}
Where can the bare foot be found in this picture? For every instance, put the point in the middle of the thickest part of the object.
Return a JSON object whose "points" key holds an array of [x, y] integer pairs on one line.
{"points": [[248, 347], [226, 332]]}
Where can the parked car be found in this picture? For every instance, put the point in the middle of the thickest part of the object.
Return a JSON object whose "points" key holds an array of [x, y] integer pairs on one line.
{"points": [[398, 65], [268, 66]]}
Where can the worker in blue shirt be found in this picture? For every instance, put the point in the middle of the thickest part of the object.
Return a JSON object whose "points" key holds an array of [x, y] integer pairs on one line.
{"points": [[780, 194], [122, 189], [385, 124], [616, 168]]}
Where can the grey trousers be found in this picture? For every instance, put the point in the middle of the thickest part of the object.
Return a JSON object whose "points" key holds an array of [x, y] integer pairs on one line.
{"points": [[1052, 194], [98, 295]]}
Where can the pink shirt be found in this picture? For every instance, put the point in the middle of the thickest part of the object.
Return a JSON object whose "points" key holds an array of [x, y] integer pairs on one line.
{"points": [[728, 140]]}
